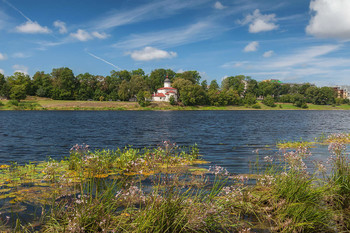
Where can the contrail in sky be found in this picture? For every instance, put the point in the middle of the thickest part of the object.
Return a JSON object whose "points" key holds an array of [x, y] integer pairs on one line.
{"points": [[101, 59], [13, 7]]}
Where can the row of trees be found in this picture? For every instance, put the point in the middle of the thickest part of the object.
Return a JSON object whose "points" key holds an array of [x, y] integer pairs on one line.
{"points": [[62, 84]]}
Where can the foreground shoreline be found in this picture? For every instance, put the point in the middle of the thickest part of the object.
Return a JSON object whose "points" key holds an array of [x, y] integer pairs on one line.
{"points": [[154, 190], [48, 104]]}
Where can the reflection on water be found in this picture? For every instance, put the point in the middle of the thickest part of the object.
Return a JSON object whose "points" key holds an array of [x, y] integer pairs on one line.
{"points": [[226, 138]]}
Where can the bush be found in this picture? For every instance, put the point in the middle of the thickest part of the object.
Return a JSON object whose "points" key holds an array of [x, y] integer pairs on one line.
{"points": [[1, 103], [249, 99], [172, 100], [142, 100], [269, 101], [13, 102], [256, 106]]}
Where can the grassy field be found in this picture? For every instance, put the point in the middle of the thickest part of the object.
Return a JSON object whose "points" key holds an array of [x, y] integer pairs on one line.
{"points": [[37, 103]]}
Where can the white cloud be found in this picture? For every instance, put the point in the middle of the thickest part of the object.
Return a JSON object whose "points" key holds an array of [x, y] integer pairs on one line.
{"points": [[20, 55], [302, 57], [331, 19], [268, 53], [3, 57], [149, 11], [218, 5], [313, 64], [260, 23], [61, 26], [251, 47], [150, 53], [20, 68], [100, 35], [172, 37], [180, 71], [2, 71], [32, 27], [82, 35]]}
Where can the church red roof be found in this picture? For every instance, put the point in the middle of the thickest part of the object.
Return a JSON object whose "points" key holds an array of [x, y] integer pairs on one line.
{"points": [[158, 95], [167, 88]]}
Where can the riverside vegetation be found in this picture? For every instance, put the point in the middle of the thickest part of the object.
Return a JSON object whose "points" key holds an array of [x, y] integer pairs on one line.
{"points": [[239, 90], [36, 103], [167, 189]]}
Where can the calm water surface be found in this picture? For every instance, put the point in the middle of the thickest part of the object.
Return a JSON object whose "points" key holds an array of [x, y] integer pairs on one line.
{"points": [[226, 138]]}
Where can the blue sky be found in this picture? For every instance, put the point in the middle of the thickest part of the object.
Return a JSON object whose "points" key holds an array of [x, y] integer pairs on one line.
{"points": [[294, 41]]}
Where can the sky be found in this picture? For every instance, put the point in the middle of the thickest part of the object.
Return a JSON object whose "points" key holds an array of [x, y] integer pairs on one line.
{"points": [[294, 41]]}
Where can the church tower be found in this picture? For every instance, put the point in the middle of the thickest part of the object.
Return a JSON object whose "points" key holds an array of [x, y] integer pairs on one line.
{"points": [[167, 82]]}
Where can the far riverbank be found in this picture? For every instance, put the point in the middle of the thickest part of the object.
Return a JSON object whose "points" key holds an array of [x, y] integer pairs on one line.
{"points": [[34, 103]]}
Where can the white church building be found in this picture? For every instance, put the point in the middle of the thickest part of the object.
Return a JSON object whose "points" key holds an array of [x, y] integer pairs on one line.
{"points": [[163, 94]]}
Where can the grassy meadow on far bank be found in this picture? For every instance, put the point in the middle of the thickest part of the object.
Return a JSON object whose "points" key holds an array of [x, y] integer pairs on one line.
{"points": [[37, 103]]}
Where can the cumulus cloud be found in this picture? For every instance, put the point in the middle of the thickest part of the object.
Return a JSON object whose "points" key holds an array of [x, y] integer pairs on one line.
{"points": [[20, 68], [268, 53], [2, 71], [31, 27], [150, 53], [218, 5], [61, 26], [83, 35], [3, 57], [331, 19], [260, 23], [100, 35], [251, 47]]}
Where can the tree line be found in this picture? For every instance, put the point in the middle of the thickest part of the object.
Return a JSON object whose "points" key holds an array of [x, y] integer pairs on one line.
{"points": [[62, 84]]}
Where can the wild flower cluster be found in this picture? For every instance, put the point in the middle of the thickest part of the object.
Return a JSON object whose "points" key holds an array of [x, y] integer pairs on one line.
{"points": [[339, 137], [80, 149], [337, 148], [295, 158], [133, 194], [218, 170]]}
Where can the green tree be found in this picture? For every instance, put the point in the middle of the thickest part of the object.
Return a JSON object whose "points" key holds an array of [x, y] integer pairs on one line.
{"points": [[269, 101], [214, 86], [299, 100], [42, 84], [124, 91], [18, 92], [249, 99], [204, 85], [21, 79], [4, 86], [141, 99], [121, 75], [235, 83], [87, 86], [137, 84], [192, 76], [252, 87], [65, 84], [180, 84], [193, 95], [157, 77], [232, 97], [138, 72]]}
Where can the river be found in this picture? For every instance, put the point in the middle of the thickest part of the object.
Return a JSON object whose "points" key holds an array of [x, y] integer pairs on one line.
{"points": [[225, 138]]}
